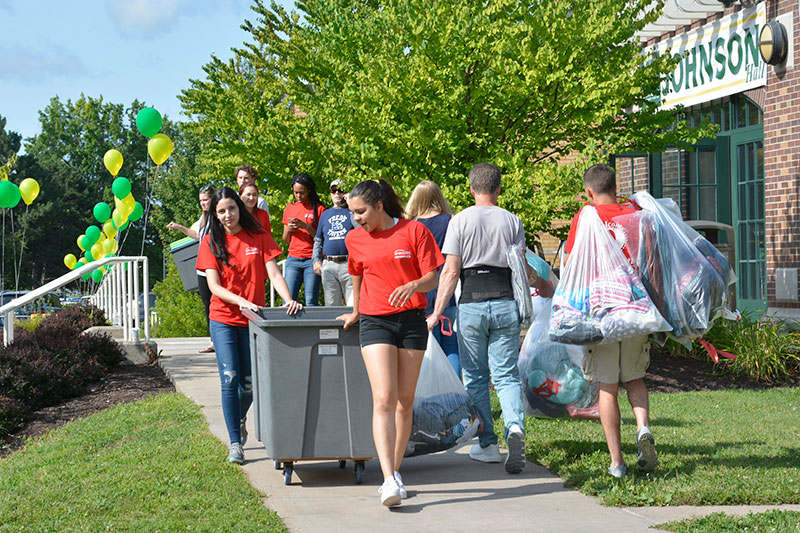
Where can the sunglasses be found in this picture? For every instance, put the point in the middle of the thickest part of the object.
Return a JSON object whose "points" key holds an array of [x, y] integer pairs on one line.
{"points": [[334, 190]]}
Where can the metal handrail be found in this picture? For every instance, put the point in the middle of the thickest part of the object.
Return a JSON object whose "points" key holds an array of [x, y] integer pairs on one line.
{"points": [[118, 299]]}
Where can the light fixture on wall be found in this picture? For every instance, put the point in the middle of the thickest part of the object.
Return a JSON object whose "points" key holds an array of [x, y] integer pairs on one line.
{"points": [[772, 43], [744, 3]]}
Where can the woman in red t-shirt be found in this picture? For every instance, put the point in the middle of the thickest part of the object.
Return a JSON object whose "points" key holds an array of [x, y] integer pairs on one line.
{"points": [[249, 195], [393, 263], [237, 256], [300, 220]]}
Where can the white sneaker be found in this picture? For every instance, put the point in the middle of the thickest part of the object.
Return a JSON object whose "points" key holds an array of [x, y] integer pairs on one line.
{"points": [[390, 493], [515, 460], [490, 454], [399, 479], [236, 454]]}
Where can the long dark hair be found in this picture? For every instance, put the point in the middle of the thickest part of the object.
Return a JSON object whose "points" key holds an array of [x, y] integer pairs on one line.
{"points": [[306, 181], [217, 231], [372, 192]]}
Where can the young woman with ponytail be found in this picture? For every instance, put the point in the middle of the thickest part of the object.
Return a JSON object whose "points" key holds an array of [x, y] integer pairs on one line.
{"points": [[237, 255], [393, 263]]}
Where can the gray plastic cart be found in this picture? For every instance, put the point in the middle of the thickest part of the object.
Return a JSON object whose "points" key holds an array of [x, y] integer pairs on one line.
{"points": [[184, 252], [311, 395]]}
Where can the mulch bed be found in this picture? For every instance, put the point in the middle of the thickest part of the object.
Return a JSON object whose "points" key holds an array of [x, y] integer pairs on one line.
{"points": [[130, 383]]}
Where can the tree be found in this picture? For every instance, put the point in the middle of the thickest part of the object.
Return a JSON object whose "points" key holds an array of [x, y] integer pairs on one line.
{"points": [[413, 89], [66, 158]]}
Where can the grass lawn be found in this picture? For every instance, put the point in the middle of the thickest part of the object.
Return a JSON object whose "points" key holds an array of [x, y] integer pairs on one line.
{"points": [[784, 522], [721, 447], [147, 466]]}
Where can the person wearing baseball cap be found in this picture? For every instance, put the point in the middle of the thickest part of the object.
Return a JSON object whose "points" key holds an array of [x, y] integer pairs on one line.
{"points": [[330, 252]]}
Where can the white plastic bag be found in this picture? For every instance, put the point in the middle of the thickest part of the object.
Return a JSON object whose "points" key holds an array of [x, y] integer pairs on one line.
{"points": [[444, 416], [519, 282], [600, 298]]}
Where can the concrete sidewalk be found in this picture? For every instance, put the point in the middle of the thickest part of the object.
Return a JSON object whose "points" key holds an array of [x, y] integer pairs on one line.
{"points": [[447, 490]]}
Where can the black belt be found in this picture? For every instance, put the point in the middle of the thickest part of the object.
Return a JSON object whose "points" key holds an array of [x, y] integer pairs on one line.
{"points": [[336, 258]]}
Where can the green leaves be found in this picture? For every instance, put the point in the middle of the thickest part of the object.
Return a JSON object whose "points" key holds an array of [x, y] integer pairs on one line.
{"points": [[409, 90]]}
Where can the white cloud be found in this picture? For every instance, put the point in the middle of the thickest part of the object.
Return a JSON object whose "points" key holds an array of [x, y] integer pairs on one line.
{"points": [[144, 18], [28, 64]]}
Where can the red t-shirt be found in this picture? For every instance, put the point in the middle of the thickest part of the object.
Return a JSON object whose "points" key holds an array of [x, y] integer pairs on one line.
{"points": [[389, 258], [606, 212], [301, 242], [262, 217], [248, 256]]}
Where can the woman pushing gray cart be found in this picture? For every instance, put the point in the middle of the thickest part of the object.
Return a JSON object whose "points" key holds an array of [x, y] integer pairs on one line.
{"points": [[311, 395]]}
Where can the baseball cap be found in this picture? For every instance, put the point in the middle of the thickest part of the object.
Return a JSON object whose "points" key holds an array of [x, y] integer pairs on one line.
{"points": [[336, 184]]}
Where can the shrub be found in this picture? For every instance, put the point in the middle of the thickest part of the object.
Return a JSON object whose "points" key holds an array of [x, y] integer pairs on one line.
{"points": [[180, 313], [53, 363], [766, 350]]}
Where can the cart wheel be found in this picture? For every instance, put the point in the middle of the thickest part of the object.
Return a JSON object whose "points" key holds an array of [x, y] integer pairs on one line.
{"points": [[287, 473], [278, 465], [359, 471], [342, 464]]}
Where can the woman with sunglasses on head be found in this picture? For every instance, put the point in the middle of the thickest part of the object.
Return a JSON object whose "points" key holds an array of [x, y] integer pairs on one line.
{"points": [[197, 231], [300, 219], [249, 195], [237, 255], [393, 263]]}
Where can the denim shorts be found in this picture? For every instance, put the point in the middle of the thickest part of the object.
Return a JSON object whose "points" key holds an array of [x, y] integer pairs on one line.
{"points": [[406, 329]]}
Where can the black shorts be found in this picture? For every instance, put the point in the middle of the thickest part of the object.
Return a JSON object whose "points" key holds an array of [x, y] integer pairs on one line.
{"points": [[406, 329]]}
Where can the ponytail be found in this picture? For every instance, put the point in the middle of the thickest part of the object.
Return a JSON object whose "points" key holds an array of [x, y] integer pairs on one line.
{"points": [[372, 192]]}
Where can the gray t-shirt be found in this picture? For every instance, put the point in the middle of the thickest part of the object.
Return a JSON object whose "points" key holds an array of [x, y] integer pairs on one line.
{"points": [[262, 204], [481, 235]]}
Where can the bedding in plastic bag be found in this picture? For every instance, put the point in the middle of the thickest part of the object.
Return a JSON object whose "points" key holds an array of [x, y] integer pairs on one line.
{"points": [[684, 274], [551, 374], [600, 298], [444, 416]]}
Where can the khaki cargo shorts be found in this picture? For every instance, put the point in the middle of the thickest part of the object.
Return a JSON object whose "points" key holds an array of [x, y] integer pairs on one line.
{"points": [[617, 361]]}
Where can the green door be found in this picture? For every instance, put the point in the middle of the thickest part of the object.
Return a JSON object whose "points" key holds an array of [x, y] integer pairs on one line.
{"points": [[747, 202]]}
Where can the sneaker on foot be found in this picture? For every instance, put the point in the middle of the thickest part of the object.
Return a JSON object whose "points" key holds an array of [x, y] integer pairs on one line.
{"points": [[243, 430], [399, 479], [648, 460], [618, 471], [236, 454], [490, 454], [390, 492], [515, 460]]}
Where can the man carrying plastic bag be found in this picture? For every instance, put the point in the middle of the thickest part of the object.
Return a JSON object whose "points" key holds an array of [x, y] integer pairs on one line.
{"points": [[601, 302]]}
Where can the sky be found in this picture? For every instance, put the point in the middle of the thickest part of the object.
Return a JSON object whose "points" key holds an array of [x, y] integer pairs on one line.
{"points": [[120, 49]]}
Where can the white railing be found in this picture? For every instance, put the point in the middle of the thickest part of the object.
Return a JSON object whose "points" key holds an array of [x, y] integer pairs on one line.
{"points": [[119, 300], [281, 264]]}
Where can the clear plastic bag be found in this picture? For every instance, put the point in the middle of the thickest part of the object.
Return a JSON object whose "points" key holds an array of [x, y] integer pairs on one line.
{"points": [[444, 415], [684, 274], [600, 299], [551, 374], [519, 282]]}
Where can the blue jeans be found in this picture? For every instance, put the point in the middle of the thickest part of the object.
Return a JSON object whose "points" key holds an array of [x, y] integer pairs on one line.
{"points": [[298, 271], [449, 343], [488, 342], [232, 345]]}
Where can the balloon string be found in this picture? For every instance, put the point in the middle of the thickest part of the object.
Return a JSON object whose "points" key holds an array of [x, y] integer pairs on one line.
{"points": [[22, 243], [148, 190], [3, 266], [14, 250]]}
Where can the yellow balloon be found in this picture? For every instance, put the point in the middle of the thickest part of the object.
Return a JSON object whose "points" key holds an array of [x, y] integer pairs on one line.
{"points": [[109, 229], [159, 147], [80, 238], [109, 246], [70, 260], [113, 161], [117, 219], [29, 190], [128, 204], [97, 251]]}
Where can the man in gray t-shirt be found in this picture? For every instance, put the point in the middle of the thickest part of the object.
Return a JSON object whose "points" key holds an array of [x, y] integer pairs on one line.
{"points": [[476, 244]]}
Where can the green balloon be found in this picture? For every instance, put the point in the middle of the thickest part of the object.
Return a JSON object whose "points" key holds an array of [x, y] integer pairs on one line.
{"points": [[89, 256], [97, 276], [87, 275], [148, 122], [9, 194], [125, 225], [80, 262], [92, 234], [102, 212], [121, 188], [137, 212], [87, 243]]}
